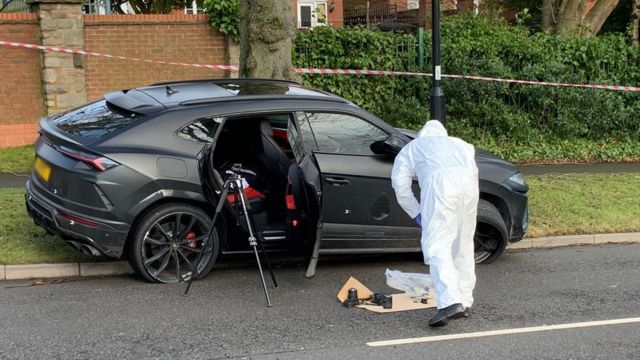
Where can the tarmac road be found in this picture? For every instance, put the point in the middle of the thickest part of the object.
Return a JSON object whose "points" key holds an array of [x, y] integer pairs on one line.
{"points": [[224, 316]]}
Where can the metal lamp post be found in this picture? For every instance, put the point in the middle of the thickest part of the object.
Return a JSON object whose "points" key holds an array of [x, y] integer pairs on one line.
{"points": [[437, 103]]}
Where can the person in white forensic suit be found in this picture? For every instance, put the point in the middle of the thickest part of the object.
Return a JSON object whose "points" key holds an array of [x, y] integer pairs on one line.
{"points": [[448, 177]]}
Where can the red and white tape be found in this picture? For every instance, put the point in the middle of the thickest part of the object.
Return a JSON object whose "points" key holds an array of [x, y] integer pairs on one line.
{"points": [[91, 53], [325, 71]]}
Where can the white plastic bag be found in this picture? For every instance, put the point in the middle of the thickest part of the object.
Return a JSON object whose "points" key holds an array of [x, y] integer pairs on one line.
{"points": [[417, 285]]}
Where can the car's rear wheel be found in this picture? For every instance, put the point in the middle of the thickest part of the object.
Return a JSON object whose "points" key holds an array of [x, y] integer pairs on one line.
{"points": [[491, 236], [167, 241]]}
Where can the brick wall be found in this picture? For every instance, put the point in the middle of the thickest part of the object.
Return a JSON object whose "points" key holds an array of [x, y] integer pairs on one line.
{"points": [[21, 100], [336, 16], [176, 37]]}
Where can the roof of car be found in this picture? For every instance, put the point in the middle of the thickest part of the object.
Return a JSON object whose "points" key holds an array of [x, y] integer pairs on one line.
{"points": [[157, 97]]}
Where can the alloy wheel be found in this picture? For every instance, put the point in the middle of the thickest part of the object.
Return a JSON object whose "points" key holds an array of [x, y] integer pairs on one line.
{"points": [[486, 244], [172, 244]]}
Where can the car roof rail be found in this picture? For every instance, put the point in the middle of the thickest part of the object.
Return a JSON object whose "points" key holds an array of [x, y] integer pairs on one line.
{"points": [[223, 80], [263, 97]]}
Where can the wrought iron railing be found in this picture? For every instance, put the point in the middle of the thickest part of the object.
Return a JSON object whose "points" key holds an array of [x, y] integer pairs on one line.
{"points": [[14, 6]]}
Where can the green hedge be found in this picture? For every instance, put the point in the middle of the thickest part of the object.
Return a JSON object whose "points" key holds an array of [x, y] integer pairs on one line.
{"points": [[521, 122]]}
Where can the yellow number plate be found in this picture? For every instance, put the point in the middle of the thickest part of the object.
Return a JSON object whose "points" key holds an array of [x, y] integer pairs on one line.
{"points": [[42, 169]]}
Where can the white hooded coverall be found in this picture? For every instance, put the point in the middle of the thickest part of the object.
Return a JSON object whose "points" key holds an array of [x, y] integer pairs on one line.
{"points": [[448, 177]]}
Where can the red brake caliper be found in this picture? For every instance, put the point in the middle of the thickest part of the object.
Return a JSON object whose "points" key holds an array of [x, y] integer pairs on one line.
{"points": [[192, 236]]}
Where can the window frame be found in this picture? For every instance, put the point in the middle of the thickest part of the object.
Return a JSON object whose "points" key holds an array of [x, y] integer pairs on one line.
{"points": [[344, 113], [212, 135]]}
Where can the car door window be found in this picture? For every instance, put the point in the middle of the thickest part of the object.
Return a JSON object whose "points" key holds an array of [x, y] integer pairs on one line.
{"points": [[343, 134], [201, 130]]}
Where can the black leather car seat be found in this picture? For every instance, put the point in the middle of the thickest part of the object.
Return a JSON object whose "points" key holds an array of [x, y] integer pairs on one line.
{"points": [[272, 157]]}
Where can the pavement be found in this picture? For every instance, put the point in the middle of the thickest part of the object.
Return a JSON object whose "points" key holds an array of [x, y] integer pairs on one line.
{"points": [[33, 271], [599, 168], [11, 180]]}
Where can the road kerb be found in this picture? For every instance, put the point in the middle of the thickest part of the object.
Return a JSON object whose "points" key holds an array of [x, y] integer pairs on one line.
{"points": [[617, 238], [32, 271], [19, 272], [574, 240], [105, 268]]}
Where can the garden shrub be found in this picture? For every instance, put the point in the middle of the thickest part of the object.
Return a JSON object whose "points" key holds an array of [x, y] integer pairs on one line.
{"points": [[520, 122]]}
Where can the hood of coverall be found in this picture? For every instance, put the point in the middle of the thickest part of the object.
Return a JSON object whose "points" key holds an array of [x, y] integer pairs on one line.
{"points": [[433, 128]]}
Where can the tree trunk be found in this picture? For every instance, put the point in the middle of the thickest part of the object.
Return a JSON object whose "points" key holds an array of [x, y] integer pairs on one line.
{"points": [[570, 17], [598, 15], [635, 23], [267, 28], [548, 15]]}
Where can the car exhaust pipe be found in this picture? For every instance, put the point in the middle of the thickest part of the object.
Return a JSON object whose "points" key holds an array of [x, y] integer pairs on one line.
{"points": [[90, 250], [84, 248], [74, 245]]}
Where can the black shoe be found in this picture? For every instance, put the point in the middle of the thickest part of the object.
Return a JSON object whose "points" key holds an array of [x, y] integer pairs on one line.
{"points": [[441, 318]]}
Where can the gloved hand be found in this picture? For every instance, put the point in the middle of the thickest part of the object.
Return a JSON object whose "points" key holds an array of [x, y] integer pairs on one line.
{"points": [[418, 219]]}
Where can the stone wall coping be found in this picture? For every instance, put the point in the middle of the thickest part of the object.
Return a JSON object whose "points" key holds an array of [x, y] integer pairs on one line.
{"points": [[18, 18], [144, 19]]}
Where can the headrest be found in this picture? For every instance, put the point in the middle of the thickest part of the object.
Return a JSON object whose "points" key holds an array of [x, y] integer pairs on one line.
{"points": [[265, 128]]}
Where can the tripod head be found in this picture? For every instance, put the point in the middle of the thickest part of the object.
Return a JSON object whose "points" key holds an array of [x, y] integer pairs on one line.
{"points": [[237, 170]]}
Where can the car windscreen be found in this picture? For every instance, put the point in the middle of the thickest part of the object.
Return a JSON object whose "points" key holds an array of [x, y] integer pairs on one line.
{"points": [[94, 120]]}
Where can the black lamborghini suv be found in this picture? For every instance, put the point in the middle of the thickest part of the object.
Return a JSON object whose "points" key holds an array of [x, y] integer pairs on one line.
{"points": [[137, 175]]}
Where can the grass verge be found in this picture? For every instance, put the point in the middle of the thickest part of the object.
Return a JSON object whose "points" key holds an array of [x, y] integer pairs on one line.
{"points": [[558, 205], [16, 159], [583, 204], [22, 242]]}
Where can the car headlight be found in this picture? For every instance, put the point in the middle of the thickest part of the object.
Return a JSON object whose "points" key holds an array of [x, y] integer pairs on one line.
{"points": [[518, 178], [516, 182]]}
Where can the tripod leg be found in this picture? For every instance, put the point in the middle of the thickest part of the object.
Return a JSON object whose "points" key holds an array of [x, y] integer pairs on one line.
{"points": [[194, 270], [252, 239], [264, 283], [267, 262]]}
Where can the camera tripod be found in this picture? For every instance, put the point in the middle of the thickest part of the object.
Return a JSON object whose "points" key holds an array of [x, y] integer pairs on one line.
{"points": [[233, 185]]}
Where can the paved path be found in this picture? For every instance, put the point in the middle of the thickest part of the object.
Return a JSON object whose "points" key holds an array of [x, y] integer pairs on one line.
{"points": [[579, 168], [12, 180], [224, 316]]}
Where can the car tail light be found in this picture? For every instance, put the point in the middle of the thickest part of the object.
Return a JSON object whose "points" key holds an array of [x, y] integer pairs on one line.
{"points": [[78, 219], [97, 162]]}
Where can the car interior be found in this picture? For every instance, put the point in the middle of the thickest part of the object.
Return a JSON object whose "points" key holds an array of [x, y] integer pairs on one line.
{"points": [[275, 194]]}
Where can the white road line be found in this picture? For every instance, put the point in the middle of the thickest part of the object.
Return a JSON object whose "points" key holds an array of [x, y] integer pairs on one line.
{"points": [[503, 332]]}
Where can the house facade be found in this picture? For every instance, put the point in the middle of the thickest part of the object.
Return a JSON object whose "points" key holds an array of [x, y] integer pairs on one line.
{"points": [[312, 13]]}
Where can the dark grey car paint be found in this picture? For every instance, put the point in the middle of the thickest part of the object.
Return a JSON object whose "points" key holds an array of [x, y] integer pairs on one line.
{"points": [[139, 182]]}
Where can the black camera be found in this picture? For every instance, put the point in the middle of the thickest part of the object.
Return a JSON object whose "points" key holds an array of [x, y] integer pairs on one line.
{"points": [[384, 300]]}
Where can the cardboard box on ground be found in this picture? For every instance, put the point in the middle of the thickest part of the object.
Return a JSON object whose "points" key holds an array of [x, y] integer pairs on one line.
{"points": [[401, 302]]}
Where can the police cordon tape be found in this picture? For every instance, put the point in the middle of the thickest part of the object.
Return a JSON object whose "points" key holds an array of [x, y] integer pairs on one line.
{"points": [[324, 71]]}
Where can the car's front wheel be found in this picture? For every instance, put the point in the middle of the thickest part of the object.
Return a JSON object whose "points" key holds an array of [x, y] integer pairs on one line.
{"points": [[167, 241], [491, 236]]}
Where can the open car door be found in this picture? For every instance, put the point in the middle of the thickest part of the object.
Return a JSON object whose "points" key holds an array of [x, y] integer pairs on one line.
{"points": [[358, 211]]}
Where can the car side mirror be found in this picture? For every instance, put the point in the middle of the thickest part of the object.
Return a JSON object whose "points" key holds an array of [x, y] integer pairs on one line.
{"points": [[389, 146]]}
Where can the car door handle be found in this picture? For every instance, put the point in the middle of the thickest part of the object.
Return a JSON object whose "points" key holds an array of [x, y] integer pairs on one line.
{"points": [[338, 181]]}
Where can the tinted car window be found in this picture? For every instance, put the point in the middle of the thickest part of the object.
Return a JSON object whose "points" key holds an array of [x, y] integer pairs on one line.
{"points": [[280, 121], [202, 130], [94, 120], [344, 134], [306, 132]]}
